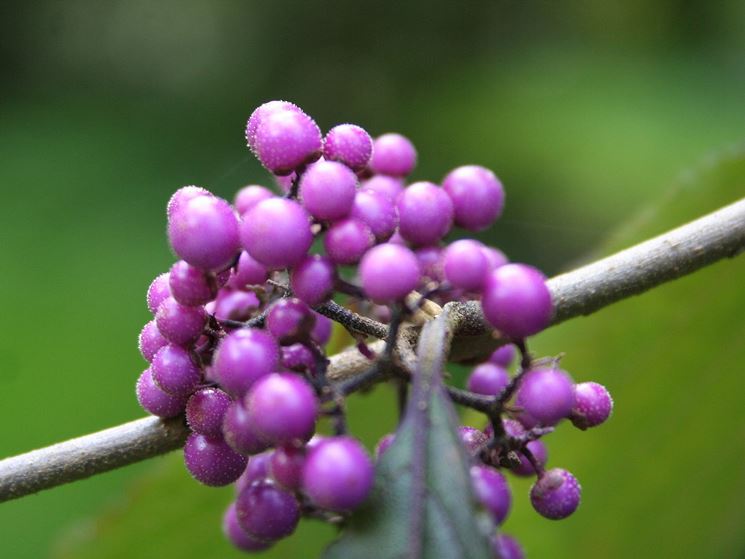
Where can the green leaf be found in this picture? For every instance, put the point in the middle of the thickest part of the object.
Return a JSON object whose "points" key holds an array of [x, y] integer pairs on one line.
{"points": [[422, 505]]}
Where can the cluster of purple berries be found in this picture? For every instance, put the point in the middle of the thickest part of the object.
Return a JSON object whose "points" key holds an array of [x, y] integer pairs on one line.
{"points": [[237, 345]]}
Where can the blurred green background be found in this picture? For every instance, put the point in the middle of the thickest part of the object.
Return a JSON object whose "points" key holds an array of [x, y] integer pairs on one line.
{"points": [[589, 112]]}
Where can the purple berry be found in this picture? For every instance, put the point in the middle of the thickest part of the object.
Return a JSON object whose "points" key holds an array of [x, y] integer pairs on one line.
{"points": [[286, 466], [191, 286], [478, 196], [322, 330], [183, 195], [237, 535], [204, 232], [236, 305], [348, 144], [347, 240], [593, 405], [262, 111], [312, 281], [516, 300], [286, 140], [297, 357], [507, 547], [377, 211], [393, 154], [174, 370], [488, 379], [503, 356], [540, 454], [205, 411], [473, 439], [465, 265], [327, 190], [285, 182], [267, 512], [383, 184], [153, 400], [248, 272], [556, 494], [158, 292], [495, 257], [248, 196], [290, 321], [430, 261], [150, 341], [384, 444], [179, 324], [242, 358], [239, 432], [211, 461], [258, 468], [547, 395], [425, 213], [388, 272], [492, 491], [282, 408], [338, 474], [276, 233]]}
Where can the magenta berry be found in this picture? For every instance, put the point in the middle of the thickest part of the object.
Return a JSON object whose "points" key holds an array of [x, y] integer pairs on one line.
{"points": [[488, 379], [540, 455], [248, 272], [425, 213], [516, 300], [465, 265], [430, 262], [153, 400], [503, 356], [150, 341], [204, 233], [286, 466], [593, 405], [212, 461], [322, 330], [473, 439], [183, 195], [327, 190], [236, 305], [507, 547], [297, 357], [237, 535], [260, 113], [495, 257], [556, 494], [205, 411], [286, 140], [547, 395], [175, 371], [248, 196], [179, 324], [338, 474], [158, 292], [393, 154], [377, 211], [257, 468], [191, 286], [388, 272], [347, 240], [290, 321], [477, 195], [492, 490], [276, 233], [383, 184], [282, 408], [312, 281], [242, 358], [266, 511], [239, 432], [348, 144]]}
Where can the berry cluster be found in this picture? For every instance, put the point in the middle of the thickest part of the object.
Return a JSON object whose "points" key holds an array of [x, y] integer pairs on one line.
{"points": [[237, 340]]}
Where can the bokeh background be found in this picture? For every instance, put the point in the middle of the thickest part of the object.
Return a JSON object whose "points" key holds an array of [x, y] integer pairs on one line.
{"points": [[607, 122]]}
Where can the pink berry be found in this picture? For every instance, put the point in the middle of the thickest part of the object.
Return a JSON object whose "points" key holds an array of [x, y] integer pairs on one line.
{"points": [[287, 140], [478, 196], [393, 154], [547, 395], [348, 144], [593, 405], [556, 494]]}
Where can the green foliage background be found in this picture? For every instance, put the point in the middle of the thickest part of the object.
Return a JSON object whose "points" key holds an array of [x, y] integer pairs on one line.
{"points": [[589, 112]]}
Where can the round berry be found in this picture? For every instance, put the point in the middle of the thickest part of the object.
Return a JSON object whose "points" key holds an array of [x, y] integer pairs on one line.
{"points": [[179, 324], [290, 321], [267, 512], [286, 466], [393, 154], [540, 455], [507, 547], [425, 213], [276, 233], [211, 461], [239, 432], [191, 286], [377, 211], [347, 240], [478, 196], [465, 265], [488, 379], [383, 184], [338, 474], [473, 439], [236, 305], [388, 272], [312, 281], [297, 357], [174, 370], [158, 292], [237, 535], [495, 257], [204, 232], [153, 400], [248, 272], [286, 140], [503, 356], [262, 111], [242, 358], [556, 494], [183, 195], [327, 190], [492, 490], [322, 330], [430, 261], [150, 341], [348, 144], [282, 408], [593, 405], [248, 196], [547, 395], [205, 411], [516, 300], [258, 468]]}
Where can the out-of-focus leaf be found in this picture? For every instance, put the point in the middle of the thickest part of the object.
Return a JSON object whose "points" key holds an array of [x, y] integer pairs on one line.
{"points": [[422, 505]]}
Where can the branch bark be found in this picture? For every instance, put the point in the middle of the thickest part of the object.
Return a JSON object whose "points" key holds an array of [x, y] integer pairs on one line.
{"points": [[583, 291]]}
